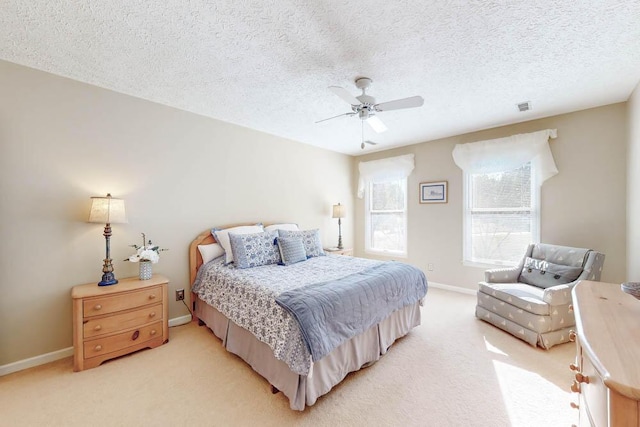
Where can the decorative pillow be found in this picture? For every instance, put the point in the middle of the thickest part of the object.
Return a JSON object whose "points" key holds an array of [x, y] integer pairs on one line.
{"points": [[545, 274], [310, 239], [291, 250], [274, 227], [222, 237], [210, 252], [253, 250]]}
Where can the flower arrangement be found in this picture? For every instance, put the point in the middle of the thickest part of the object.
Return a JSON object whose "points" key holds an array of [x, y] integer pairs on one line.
{"points": [[146, 252]]}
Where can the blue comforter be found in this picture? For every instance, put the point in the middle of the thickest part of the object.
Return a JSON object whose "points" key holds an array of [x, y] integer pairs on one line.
{"points": [[330, 313]]}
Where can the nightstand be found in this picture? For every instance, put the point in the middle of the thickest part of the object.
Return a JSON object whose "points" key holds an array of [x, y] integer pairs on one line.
{"points": [[111, 321], [336, 251]]}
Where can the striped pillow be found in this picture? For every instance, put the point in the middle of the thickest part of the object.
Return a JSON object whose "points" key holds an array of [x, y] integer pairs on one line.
{"points": [[291, 250], [310, 239]]}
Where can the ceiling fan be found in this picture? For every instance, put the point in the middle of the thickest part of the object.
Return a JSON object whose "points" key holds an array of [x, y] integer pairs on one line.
{"points": [[365, 106]]}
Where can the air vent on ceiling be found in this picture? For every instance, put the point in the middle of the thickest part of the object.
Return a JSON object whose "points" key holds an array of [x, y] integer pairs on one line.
{"points": [[524, 106]]}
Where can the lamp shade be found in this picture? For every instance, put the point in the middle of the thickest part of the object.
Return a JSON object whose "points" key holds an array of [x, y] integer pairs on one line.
{"points": [[107, 210], [339, 211]]}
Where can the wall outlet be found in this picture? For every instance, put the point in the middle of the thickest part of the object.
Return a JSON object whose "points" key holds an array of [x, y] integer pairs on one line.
{"points": [[179, 294], [429, 267]]}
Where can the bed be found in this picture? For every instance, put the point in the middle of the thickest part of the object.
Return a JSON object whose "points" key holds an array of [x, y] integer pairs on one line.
{"points": [[232, 302]]}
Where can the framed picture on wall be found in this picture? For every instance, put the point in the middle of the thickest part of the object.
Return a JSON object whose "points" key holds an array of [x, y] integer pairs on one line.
{"points": [[433, 192]]}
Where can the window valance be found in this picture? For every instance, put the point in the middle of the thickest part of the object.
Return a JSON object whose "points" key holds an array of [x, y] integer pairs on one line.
{"points": [[384, 170], [505, 154]]}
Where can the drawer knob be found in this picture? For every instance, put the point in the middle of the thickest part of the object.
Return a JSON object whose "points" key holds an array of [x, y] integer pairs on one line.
{"points": [[152, 314], [135, 335], [575, 387], [575, 405], [97, 328], [152, 296], [153, 332], [98, 347], [97, 307], [572, 336], [574, 367], [582, 378]]}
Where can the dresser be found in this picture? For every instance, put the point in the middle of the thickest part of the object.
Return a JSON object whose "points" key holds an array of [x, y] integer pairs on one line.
{"points": [[607, 365], [111, 321]]}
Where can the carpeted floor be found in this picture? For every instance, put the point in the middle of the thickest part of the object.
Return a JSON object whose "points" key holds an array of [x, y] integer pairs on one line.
{"points": [[453, 370]]}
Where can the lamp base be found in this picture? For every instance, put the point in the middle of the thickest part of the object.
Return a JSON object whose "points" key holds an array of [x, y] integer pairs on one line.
{"points": [[108, 279]]}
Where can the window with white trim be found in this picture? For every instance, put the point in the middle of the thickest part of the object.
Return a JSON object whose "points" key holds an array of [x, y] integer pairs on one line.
{"points": [[386, 217], [501, 215]]}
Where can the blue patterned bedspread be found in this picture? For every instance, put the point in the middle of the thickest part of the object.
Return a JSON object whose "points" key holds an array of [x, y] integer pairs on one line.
{"points": [[330, 313]]}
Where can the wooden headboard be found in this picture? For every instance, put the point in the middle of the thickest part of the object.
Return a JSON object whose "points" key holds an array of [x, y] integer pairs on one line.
{"points": [[195, 259]]}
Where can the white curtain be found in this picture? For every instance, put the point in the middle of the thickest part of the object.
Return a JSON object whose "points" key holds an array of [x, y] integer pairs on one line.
{"points": [[388, 169], [505, 154]]}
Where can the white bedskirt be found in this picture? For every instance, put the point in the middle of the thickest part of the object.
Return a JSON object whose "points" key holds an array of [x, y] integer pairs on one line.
{"points": [[360, 351]]}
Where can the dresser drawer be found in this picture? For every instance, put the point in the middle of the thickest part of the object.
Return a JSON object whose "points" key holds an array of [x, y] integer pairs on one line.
{"points": [[124, 301], [595, 395], [101, 346], [105, 325]]}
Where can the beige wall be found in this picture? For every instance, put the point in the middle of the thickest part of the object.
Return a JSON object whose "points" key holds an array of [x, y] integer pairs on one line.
{"points": [[633, 189], [584, 205], [63, 141]]}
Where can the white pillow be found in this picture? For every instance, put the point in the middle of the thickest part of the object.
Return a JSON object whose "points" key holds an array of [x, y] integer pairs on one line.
{"points": [[289, 227], [222, 237], [210, 252]]}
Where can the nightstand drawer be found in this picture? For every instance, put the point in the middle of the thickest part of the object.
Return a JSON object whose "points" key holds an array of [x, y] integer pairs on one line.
{"points": [[102, 346], [106, 325], [105, 305]]}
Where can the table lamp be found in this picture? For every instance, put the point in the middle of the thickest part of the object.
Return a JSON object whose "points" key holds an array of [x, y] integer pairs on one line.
{"points": [[107, 210], [339, 212]]}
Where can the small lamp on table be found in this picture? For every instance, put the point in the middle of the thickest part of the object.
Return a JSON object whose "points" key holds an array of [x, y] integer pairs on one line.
{"points": [[339, 211], [107, 210]]}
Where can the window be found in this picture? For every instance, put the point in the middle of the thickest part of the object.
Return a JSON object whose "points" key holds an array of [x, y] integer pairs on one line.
{"points": [[386, 217], [501, 215]]}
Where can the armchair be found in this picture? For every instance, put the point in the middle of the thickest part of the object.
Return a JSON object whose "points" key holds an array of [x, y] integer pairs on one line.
{"points": [[532, 300]]}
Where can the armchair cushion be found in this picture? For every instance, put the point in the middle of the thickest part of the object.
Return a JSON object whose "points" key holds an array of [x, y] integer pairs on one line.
{"points": [[546, 274], [525, 297], [564, 255]]}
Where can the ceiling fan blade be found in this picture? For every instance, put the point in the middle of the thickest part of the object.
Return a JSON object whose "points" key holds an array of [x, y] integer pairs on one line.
{"points": [[344, 94], [339, 115], [376, 124], [398, 104]]}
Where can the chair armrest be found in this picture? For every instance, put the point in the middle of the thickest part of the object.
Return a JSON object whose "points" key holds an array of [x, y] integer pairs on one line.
{"points": [[558, 295], [503, 275]]}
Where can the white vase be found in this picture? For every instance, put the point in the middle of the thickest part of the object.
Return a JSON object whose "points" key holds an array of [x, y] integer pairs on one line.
{"points": [[145, 270]]}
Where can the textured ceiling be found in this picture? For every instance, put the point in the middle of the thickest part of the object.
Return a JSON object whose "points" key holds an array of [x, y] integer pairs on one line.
{"points": [[266, 65]]}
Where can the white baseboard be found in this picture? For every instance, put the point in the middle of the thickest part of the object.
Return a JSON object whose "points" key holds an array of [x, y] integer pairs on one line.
{"points": [[452, 288], [35, 361], [21, 365], [182, 320]]}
